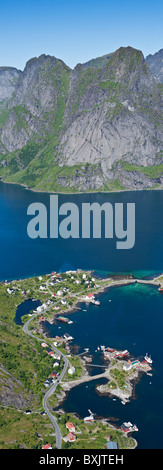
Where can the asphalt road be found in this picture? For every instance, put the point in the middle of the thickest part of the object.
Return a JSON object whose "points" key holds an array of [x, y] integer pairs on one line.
{"points": [[51, 390]]}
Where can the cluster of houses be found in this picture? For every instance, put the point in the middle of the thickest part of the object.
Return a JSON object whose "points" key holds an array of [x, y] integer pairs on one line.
{"points": [[42, 307], [71, 436], [78, 281], [136, 363], [57, 357]]}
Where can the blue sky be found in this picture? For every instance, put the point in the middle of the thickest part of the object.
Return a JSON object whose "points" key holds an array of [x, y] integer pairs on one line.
{"points": [[76, 31]]}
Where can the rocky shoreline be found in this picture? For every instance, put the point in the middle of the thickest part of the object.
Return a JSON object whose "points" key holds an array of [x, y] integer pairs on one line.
{"points": [[123, 395]]}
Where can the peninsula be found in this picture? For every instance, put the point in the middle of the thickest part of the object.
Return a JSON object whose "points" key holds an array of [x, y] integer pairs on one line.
{"points": [[27, 354]]}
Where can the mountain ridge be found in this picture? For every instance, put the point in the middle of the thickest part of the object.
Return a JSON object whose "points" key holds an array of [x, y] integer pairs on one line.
{"points": [[94, 127]]}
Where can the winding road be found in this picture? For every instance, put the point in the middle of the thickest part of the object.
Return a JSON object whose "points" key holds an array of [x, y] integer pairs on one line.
{"points": [[51, 390]]}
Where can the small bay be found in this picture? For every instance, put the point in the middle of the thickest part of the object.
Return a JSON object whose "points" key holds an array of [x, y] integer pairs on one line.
{"points": [[25, 308]]}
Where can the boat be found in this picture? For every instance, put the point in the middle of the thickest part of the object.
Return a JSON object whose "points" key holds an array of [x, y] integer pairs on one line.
{"points": [[96, 302], [68, 337], [130, 426], [160, 289], [148, 359], [135, 428]]}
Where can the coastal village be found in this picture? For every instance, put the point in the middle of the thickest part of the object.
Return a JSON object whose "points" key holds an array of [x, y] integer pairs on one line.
{"points": [[59, 294]]}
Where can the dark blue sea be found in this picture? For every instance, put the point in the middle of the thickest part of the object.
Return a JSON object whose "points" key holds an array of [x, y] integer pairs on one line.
{"points": [[22, 256], [133, 319]]}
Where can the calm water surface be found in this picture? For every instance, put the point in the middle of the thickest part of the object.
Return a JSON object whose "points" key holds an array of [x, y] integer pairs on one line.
{"points": [[22, 257], [134, 317], [24, 308]]}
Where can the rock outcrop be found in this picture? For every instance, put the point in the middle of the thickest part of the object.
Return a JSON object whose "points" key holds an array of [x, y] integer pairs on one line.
{"points": [[155, 63]]}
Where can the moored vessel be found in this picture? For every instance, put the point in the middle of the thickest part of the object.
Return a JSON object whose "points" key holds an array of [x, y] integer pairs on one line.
{"points": [[148, 359]]}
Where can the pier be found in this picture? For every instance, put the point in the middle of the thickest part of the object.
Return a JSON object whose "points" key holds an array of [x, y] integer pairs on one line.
{"points": [[97, 365], [86, 378]]}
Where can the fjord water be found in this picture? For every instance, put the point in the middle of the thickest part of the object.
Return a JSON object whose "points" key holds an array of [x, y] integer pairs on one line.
{"points": [[133, 319], [22, 256]]}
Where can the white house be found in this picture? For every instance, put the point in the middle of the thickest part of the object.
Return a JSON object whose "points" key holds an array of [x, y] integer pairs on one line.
{"points": [[127, 367], [59, 292], [57, 356], [89, 297], [89, 419], [40, 308], [10, 291], [71, 370]]}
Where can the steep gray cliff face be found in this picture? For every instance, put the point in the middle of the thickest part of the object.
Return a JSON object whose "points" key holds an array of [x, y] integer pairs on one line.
{"points": [[155, 63], [85, 128], [35, 102], [117, 108], [8, 80]]}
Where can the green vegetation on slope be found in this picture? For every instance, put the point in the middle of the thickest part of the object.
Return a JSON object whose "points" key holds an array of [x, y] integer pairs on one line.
{"points": [[151, 171], [18, 430], [93, 435]]}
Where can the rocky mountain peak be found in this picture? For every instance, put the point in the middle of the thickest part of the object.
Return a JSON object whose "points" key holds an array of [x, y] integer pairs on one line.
{"points": [[8, 79], [155, 63], [83, 128]]}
